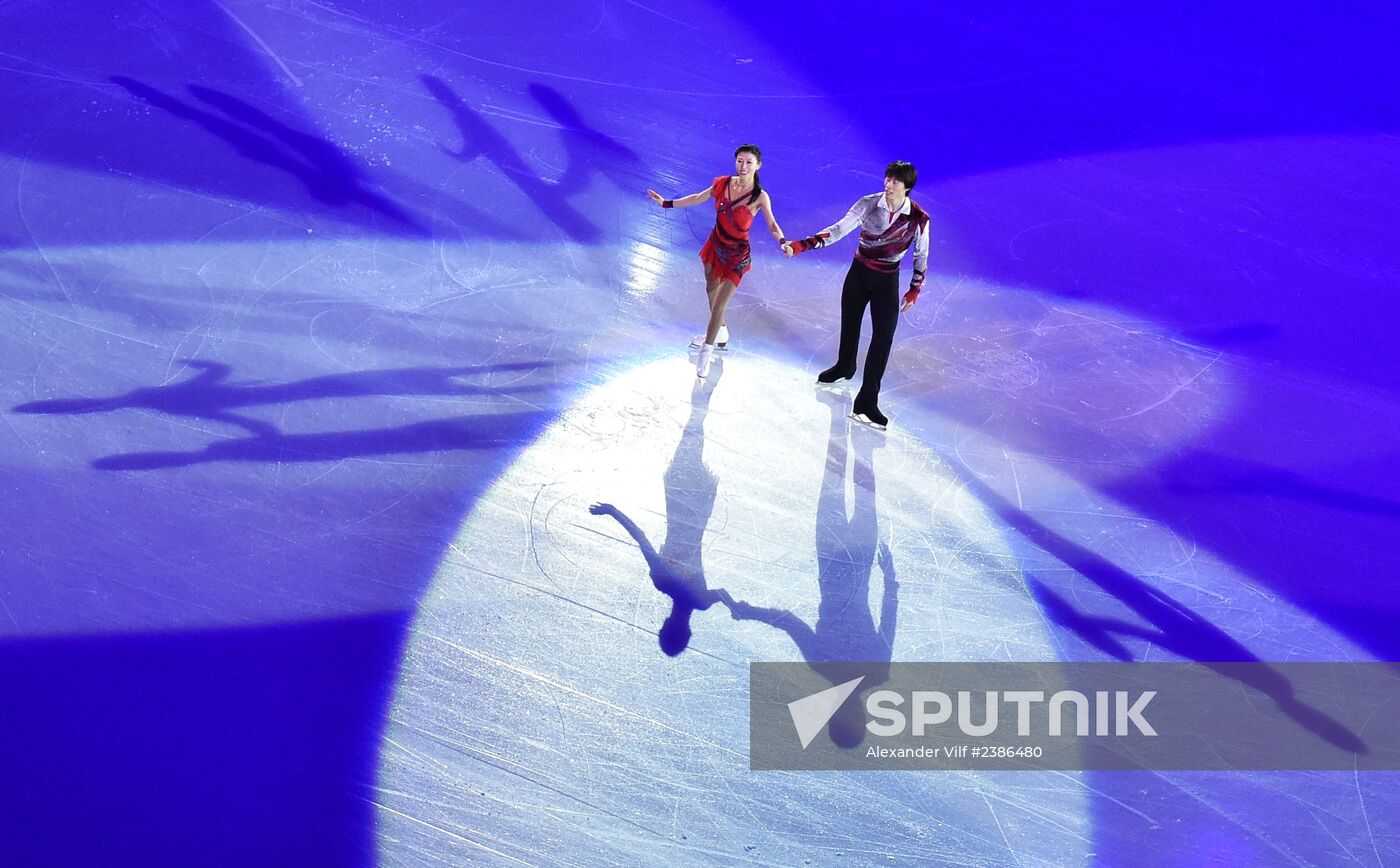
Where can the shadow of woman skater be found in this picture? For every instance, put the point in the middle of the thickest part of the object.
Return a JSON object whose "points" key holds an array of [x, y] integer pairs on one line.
{"points": [[677, 570]]}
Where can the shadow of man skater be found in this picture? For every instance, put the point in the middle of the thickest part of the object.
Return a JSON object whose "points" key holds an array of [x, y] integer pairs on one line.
{"points": [[848, 550]]}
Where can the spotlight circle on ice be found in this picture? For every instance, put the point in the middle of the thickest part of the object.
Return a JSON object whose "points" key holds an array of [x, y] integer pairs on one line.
{"points": [[779, 531]]}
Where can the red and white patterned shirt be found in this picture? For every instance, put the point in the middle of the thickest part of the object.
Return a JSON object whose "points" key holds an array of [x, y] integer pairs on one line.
{"points": [[884, 235]]}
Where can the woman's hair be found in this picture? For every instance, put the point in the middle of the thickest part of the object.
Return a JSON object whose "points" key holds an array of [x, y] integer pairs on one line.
{"points": [[903, 172], [757, 155]]}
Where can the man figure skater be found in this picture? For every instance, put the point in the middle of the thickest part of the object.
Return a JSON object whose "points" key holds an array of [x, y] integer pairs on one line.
{"points": [[890, 222]]}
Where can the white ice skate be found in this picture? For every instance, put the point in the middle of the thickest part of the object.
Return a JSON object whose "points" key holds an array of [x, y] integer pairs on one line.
{"points": [[702, 363], [872, 419], [721, 340]]}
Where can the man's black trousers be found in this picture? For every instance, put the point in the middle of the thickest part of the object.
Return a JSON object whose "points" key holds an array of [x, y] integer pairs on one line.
{"points": [[880, 290]]}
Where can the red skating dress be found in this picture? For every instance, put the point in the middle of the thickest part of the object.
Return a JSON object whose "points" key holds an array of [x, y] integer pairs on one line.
{"points": [[726, 251]]}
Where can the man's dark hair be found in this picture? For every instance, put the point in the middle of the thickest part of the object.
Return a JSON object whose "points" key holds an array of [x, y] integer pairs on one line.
{"points": [[903, 172]]}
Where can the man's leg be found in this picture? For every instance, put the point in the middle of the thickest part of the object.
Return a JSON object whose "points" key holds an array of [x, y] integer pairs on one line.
{"points": [[884, 317], [854, 296]]}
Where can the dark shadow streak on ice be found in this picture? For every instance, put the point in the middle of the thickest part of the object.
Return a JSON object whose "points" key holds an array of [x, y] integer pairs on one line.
{"points": [[321, 167], [208, 395], [480, 139], [1165, 621], [586, 149], [491, 431], [1204, 474]]}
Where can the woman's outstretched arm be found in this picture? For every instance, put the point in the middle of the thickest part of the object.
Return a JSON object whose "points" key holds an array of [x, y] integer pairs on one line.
{"points": [[682, 202]]}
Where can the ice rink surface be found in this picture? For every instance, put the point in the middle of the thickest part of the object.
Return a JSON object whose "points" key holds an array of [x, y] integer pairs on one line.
{"points": [[362, 506]]}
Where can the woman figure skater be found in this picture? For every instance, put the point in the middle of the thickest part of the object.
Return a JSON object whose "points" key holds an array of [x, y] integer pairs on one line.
{"points": [[738, 199]]}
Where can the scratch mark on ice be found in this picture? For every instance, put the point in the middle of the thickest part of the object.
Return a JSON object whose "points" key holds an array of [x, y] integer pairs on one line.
{"points": [[258, 39]]}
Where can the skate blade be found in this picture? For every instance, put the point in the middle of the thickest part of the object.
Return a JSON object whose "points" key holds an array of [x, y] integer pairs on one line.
{"points": [[866, 422]]}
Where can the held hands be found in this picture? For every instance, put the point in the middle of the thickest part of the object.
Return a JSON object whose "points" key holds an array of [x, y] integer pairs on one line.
{"points": [[792, 248], [787, 249]]}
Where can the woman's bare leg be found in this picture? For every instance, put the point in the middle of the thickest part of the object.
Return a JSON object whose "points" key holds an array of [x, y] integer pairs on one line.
{"points": [[711, 285], [712, 282], [719, 300]]}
